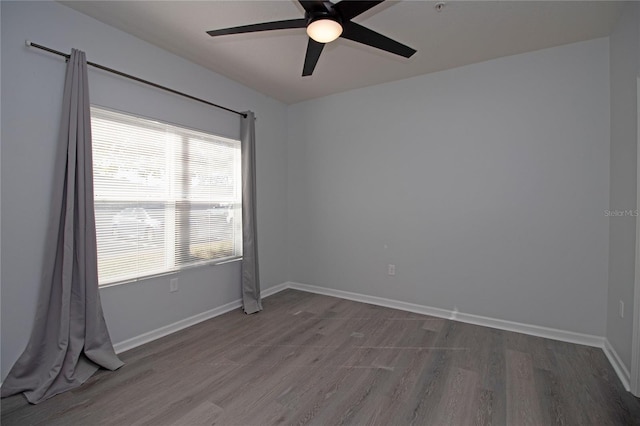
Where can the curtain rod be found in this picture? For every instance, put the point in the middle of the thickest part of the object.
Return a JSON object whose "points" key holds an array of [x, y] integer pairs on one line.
{"points": [[138, 79]]}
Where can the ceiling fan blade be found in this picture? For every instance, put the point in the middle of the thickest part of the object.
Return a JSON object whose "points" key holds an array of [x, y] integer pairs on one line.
{"points": [[312, 5], [349, 9], [314, 49], [266, 26], [355, 32]]}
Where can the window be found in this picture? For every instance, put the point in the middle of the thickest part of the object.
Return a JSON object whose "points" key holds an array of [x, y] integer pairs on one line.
{"points": [[166, 197]]}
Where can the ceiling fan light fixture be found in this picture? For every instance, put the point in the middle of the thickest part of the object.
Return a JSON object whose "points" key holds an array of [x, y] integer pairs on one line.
{"points": [[324, 30]]}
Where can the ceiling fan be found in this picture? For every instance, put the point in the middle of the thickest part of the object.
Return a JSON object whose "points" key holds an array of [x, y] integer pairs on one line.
{"points": [[325, 22]]}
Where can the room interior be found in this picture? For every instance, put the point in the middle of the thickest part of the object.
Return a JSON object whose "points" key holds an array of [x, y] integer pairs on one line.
{"points": [[496, 171]]}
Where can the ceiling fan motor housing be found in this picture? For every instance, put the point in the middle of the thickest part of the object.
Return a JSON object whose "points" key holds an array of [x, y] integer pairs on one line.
{"points": [[322, 14]]}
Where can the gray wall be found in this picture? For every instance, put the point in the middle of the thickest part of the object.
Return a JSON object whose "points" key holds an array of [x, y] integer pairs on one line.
{"points": [[625, 68], [485, 185], [31, 97]]}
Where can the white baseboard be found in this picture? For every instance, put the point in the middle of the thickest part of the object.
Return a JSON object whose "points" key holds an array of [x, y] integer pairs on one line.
{"points": [[372, 300], [274, 289], [152, 335], [617, 364], [533, 330], [141, 339]]}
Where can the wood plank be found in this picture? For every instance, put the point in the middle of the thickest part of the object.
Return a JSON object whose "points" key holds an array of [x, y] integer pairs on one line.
{"points": [[460, 400], [523, 407]]}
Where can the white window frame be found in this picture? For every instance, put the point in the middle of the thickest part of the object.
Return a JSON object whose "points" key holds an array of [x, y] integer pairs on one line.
{"points": [[172, 262]]}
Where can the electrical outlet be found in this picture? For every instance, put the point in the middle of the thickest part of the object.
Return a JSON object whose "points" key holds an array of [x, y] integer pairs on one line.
{"points": [[391, 269], [621, 309], [173, 285]]}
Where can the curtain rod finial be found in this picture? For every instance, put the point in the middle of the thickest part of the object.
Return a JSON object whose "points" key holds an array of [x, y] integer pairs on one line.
{"points": [[28, 43]]}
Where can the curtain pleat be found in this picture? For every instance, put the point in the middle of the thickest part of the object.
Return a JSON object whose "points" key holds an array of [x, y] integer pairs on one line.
{"points": [[250, 275]]}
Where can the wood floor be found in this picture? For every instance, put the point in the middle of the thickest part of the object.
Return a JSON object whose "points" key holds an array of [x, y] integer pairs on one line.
{"points": [[311, 359]]}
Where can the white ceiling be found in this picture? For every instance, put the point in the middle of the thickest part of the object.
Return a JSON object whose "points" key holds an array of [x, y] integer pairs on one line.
{"points": [[464, 32]]}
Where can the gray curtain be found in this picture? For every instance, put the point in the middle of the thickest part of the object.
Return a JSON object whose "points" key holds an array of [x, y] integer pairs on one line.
{"points": [[69, 340], [250, 276]]}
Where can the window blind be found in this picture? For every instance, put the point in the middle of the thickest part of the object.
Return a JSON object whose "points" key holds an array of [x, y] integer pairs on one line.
{"points": [[166, 197]]}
